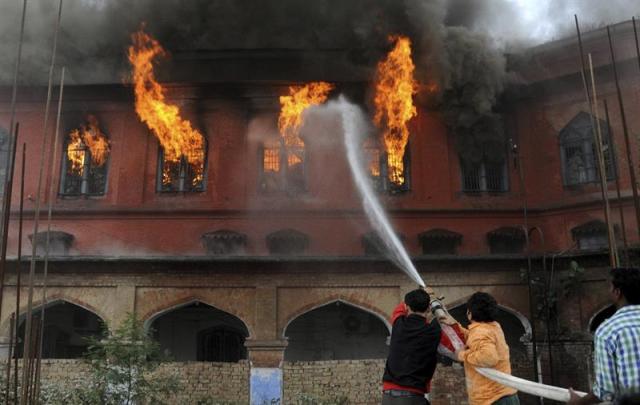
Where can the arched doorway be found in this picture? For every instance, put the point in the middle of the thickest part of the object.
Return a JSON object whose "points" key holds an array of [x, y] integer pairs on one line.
{"points": [[601, 316], [200, 332], [67, 330], [336, 331]]}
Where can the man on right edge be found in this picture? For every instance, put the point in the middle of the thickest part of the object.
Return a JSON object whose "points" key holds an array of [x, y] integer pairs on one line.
{"points": [[617, 344]]}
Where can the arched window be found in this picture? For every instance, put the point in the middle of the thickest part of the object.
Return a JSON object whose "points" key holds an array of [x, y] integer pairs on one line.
{"points": [[199, 332], [578, 152], [183, 173], [336, 331], [283, 168], [66, 329], [85, 161]]}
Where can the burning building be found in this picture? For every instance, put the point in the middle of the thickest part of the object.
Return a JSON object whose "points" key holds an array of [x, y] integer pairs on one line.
{"points": [[211, 196]]}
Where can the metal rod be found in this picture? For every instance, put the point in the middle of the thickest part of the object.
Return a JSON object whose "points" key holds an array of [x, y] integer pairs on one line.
{"points": [[625, 131], [635, 34], [19, 271], [612, 147], [583, 71], [53, 157], [7, 387], [613, 250], [32, 266]]}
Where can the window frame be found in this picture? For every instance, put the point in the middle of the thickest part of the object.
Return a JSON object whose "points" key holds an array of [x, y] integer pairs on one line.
{"points": [[183, 168], [482, 177], [283, 180], [84, 177]]}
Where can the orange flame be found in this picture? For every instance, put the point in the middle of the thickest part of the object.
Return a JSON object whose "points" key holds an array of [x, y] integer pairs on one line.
{"points": [[87, 138], [292, 108], [395, 87], [175, 134]]}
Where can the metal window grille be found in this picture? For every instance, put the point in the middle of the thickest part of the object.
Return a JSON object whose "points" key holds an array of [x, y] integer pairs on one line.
{"points": [[181, 175], [84, 178]]}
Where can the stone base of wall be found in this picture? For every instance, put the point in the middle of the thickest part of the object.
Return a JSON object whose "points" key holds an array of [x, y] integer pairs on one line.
{"points": [[200, 382]]}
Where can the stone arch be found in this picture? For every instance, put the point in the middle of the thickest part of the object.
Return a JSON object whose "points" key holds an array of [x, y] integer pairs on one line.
{"points": [[330, 300], [336, 330], [164, 308], [601, 315], [197, 331], [67, 326]]}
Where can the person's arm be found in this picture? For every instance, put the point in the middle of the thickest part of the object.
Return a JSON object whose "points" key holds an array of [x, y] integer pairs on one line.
{"points": [[586, 400], [604, 361], [481, 351], [399, 311]]}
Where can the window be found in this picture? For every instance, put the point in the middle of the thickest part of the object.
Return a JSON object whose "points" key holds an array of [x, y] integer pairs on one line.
{"points": [[506, 240], [85, 160], [377, 162], [282, 167], [439, 242], [484, 176], [592, 235], [578, 152], [184, 173]]}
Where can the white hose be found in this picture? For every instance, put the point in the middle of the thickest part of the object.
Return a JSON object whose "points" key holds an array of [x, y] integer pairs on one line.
{"points": [[529, 387]]}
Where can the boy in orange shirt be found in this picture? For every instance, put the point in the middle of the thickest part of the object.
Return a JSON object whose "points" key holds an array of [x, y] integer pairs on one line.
{"points": [[485, 347]]}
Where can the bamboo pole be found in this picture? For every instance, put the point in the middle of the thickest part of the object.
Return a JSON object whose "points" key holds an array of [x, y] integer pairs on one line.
{"points": [[7, 387], [612, 147], [603, 184], [32, 266], [613, 250], [19, 271], [53, 157], [625, 131]]}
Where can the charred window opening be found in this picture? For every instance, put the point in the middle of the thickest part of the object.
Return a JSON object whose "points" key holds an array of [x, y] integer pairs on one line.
{"points": [[593, 235], [506, 240], [484, 176], [378, 166], [85, 161], [578, 152], [283, 168], [439, 242], [183, 173]]}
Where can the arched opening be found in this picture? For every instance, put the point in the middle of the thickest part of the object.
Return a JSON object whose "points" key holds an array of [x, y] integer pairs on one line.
{"points": [[200, 332], [602, 315], [67, 330], [515, 331], [336, 331]]}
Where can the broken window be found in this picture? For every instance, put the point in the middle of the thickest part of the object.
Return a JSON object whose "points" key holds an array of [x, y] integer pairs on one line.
{"points": [[484, 176], [85, 161], [183, 173], [282, 167], [578, 151]]}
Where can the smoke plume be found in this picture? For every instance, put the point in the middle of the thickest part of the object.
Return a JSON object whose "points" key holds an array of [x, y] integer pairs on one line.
{"points": [[458, 44]]}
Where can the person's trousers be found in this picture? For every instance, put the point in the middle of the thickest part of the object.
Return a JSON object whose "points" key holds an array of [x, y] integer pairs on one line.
{"points": [[417, 400], [510, 400]]}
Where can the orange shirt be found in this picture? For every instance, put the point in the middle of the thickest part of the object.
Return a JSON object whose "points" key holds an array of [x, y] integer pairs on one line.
{"points": [[486, 347]]}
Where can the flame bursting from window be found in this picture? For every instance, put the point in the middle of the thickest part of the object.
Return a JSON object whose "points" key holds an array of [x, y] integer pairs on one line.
{"points": [[291, 109], [177, 138], [395, 87], [87, 138]]}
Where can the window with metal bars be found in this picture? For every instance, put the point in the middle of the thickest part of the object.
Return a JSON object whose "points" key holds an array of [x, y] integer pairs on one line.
{"points": [[81, 174], [484, 176], [578, 152], [282, 168], [182, 174], [378, 163]]}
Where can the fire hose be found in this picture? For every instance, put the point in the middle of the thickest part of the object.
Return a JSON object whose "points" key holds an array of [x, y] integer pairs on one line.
{"points": [[530, 387]]}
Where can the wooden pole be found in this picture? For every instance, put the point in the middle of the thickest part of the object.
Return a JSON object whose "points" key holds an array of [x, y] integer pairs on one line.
{"points": [[32, 266], [625, 131], [613, 149], [53, 157], [613, 250], [7, 387], [19, 272]]}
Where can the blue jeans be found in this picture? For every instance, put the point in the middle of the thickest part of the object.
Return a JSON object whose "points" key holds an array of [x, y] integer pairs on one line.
{"points": [[509, 400]]}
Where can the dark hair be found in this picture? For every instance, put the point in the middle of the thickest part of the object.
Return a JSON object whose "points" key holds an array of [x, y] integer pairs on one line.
{"points": [[627, 280], [418, 300], [483, 307]]}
